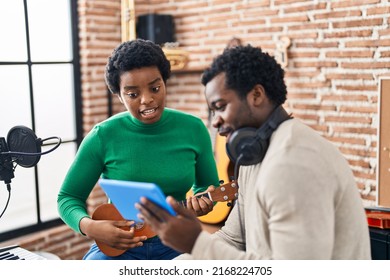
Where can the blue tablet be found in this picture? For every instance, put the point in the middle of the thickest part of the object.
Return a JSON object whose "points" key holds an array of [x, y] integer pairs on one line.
{"points": [[124, 194]]}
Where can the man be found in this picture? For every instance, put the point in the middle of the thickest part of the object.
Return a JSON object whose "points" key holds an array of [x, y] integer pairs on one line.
{"points": [[297, 195]]}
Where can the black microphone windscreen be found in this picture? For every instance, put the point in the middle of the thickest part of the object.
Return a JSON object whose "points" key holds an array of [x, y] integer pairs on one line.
{"points": [[22, 139]]}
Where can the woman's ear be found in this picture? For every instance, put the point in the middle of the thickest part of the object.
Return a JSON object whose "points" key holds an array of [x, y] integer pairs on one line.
{"points": [[257, 95]]}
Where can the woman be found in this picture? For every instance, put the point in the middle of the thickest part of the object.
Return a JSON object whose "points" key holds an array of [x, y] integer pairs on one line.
{"points": [[147, 143]]}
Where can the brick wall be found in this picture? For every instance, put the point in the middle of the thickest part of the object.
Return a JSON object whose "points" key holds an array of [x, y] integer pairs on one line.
{"points": [[338, 51]]}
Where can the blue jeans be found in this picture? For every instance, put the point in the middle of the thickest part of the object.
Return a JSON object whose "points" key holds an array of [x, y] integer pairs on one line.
{"points": [[152, 249]]}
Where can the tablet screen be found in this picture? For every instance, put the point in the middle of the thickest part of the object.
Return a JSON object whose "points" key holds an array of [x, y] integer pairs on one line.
{"points": [[124, 195]]}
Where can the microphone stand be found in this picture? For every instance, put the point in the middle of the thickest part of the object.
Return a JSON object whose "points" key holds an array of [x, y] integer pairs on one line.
{"points": [[6, 170], [6, 166]]}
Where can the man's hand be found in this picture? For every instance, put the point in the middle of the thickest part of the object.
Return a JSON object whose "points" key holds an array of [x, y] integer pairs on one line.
{"points": [[178, 232]]}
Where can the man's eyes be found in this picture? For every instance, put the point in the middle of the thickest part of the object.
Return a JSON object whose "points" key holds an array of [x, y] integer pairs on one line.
{"points": [[219, 107], [131, 94]]}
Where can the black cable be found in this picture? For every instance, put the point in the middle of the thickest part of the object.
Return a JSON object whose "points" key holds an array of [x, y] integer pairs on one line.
{"points": [[236, 166], [9, 197], [36, 154]]}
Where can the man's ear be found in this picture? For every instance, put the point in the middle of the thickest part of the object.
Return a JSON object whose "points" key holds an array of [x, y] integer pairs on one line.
{"points": [[257, 95]]}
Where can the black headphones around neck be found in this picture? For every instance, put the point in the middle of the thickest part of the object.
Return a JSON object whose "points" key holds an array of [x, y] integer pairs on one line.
{"points": [[249, 145]]}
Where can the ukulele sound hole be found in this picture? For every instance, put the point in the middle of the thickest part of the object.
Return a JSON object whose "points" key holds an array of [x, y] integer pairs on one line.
{"points": [[139, 226]]}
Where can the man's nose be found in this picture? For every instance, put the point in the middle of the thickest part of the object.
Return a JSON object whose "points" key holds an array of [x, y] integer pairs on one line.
{"points": [[217, 121]]}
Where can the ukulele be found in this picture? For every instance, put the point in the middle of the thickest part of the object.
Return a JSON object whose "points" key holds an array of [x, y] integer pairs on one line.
{"points": [[108, 211]]}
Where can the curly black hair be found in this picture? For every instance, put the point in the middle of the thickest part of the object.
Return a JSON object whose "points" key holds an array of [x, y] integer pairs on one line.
{"points": [[246, 66], [135, 54]]}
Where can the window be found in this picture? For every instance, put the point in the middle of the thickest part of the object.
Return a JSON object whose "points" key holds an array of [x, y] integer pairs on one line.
{"points": [[40, 89]]}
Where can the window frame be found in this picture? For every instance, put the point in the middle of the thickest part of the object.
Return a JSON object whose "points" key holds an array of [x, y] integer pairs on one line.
{"points": [[76, 75]]}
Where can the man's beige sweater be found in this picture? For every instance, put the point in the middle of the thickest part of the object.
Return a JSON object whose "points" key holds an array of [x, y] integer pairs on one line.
{"points": [[300, 203]]}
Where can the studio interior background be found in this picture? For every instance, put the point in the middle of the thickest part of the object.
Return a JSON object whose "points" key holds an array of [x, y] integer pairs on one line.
{"points": [[336, 56]]}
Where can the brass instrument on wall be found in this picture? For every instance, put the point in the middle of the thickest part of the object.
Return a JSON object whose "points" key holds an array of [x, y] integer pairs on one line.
{"points": [[128, 20], [176, 56], [281, 51]]}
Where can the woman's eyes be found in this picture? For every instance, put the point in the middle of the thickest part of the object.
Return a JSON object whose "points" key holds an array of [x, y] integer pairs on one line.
{"points": [[135, 94], [156, 89]]}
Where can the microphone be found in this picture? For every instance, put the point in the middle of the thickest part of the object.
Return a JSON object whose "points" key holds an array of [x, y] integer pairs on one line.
{"points": [[24, 148]]}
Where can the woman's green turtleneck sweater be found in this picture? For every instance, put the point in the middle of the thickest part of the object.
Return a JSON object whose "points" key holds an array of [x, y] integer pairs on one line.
{"points": [[175, 153]]}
